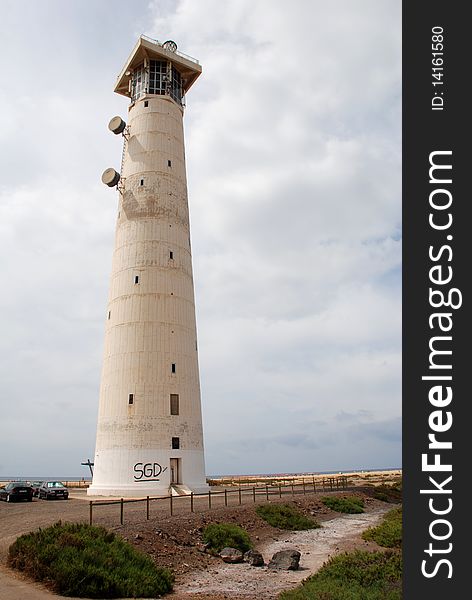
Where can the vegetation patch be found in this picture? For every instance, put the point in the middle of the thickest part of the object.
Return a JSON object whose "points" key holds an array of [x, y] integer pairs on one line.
{"points": [[226, 535], [345, 504], [354, 576], [75, 559], [284, 516], [388, 493], [389, 533]]}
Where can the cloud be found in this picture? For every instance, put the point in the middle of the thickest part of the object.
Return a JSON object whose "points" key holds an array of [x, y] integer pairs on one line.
{"points": [[293, 160]]}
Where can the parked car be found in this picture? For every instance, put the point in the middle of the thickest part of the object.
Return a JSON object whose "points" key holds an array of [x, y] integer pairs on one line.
{"points": [[36, 485], [53, 489], [17, 490]]}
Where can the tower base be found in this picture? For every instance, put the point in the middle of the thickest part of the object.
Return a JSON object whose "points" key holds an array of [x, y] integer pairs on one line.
{"points": [[132, 492], [141, 472]]}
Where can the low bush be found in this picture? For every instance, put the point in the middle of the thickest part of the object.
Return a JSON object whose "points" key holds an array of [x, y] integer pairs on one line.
{"points": [[284, 516], [354, 576], [388, 493], [389, 533], [80, 560], [226, 535], [345, 504]]}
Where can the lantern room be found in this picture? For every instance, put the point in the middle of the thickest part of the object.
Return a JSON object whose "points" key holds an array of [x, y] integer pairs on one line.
{"points": [[156, 68]]}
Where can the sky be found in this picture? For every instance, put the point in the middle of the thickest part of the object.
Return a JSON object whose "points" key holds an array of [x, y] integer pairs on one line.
{"points": [[293, 149]]}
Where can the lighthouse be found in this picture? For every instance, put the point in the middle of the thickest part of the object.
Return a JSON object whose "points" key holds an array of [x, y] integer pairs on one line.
{"points": [[149, 430]]}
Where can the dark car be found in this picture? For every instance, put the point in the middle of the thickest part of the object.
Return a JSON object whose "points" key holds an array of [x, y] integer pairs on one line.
{"points": [[53, 489], [36, 485], [17, 490]]}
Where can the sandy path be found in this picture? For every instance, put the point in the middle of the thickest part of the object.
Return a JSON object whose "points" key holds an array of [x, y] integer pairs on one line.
{"points": [[316, 546]]}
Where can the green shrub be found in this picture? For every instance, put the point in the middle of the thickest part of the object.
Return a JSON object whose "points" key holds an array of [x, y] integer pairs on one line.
{"points": [[284, 516], [353, 576], [226, 535], [345, 504], [389, 533], [79, 560], [388, 493]]}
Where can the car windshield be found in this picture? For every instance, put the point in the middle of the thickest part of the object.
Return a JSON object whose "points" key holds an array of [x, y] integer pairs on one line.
{"points": [[55, 484], [20, 484]]}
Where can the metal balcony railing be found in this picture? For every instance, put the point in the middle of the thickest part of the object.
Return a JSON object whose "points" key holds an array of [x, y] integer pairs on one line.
{"points": [[186, 56]]}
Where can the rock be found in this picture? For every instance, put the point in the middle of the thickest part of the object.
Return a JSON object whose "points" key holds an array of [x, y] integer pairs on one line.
{"points": [[138, 536], [231, 555], [287, 560], [254, 558]]}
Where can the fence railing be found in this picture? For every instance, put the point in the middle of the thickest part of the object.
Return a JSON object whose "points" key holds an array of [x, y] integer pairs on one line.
{"points": [[327, 484]]}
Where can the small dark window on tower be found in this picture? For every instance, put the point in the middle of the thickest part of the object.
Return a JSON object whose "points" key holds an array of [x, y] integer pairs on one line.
{"points": [[174, 404], [146, 103], [131, 399], [136, 279], [171, 254], [169, 163], [173, 367], [175, 443], [142, 182]]}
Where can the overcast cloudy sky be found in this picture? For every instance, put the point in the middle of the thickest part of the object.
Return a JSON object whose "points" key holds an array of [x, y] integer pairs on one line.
{"points": [[293, 158]]}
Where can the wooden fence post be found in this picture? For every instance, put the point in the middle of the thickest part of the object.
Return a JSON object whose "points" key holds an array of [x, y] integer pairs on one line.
{"points": [[226, 498], [254, 493], [147, 508], [314, 485], [240, 494], [191, 501], [209, 498], [293, 491], [304, 490], [121, 510], [280, 491], [267, 492], [171, 505], [91, 512]]}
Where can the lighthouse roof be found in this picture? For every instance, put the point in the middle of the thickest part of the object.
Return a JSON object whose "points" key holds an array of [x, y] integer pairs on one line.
{"points": [[147, 48]]}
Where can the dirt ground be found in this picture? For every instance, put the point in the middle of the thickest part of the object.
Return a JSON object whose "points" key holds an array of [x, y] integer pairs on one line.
{"points": [[176, 542]]}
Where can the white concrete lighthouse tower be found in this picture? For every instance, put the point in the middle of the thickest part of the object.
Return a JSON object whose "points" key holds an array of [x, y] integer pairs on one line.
{"points": [[149, 432]]}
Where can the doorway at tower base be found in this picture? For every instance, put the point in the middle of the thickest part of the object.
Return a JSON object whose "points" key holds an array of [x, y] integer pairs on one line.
{"points": [[138, 473]]}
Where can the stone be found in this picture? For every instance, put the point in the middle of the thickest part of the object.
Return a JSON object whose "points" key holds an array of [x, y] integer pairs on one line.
{"points": [[287, 560], [231, 555], [254, 558]]}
